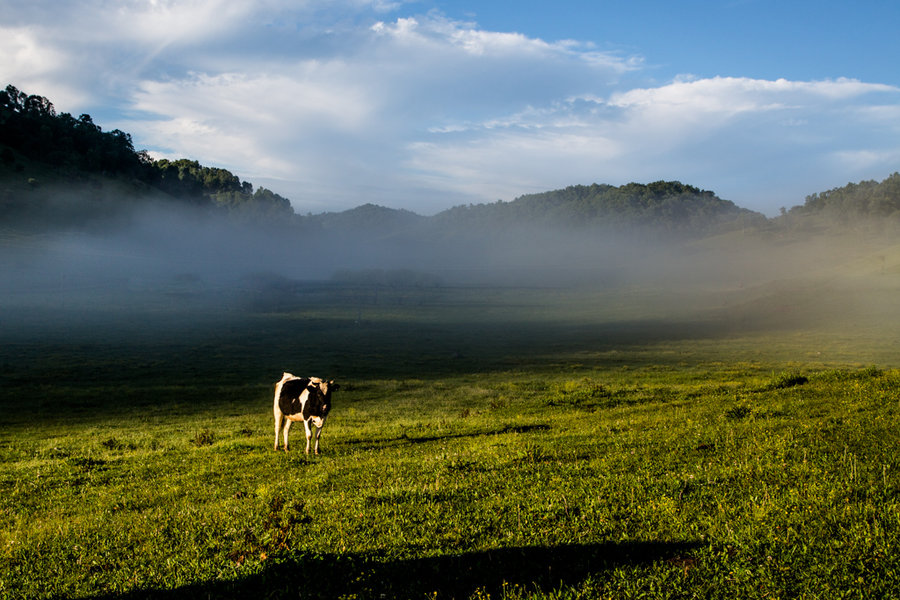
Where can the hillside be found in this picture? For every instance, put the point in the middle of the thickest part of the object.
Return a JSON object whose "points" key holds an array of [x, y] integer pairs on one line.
{"points": [[855, 201], [59, 170], [661, 206], [380, 221]]}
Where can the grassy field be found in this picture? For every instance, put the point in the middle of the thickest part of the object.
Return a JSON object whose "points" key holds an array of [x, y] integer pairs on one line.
{"points": [[486, 443]]}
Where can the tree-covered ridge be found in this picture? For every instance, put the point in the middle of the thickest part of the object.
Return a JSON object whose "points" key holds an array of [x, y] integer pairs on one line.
{"points": [[30, 126], [189, 179], [856, 200], [379, 219], [667, 205], [670, 204]]}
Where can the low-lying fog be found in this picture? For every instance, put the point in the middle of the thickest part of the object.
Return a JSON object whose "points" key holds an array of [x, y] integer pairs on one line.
{"points": [[162, 260]]}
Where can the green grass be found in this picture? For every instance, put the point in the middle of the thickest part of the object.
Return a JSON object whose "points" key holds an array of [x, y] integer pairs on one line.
{"points": [[516, 448]]}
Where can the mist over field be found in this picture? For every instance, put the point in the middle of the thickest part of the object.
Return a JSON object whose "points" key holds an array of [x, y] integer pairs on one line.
{"points": [[159, 249], [158, 261]]}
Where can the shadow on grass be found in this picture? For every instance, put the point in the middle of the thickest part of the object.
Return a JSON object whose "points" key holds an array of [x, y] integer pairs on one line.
{"points": [[372, 443], [447, 577]]}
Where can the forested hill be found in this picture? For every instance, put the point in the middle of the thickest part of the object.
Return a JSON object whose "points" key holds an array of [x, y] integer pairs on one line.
{"points": [[863, 200], [663, 205], [379, 219], [47, 158]]}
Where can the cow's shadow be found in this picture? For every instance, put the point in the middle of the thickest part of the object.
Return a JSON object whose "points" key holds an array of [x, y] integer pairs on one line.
{"points": [[532, 568], [415, 439]]}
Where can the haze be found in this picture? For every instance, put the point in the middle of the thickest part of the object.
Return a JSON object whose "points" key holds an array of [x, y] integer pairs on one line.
{"points": [[163, 271]]}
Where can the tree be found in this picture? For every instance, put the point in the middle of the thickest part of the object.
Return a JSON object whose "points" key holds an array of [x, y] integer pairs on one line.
{"points": [[12, 99]]}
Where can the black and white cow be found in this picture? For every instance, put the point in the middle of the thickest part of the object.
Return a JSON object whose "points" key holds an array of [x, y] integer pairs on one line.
{"points": [[302, 399]]}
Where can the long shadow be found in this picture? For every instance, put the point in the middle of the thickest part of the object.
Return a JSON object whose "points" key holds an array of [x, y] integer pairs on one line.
{"points": [[406, 439], [445, 577]]}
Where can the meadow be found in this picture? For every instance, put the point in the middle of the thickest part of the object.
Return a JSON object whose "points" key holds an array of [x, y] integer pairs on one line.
{"points": [[486, 443]]}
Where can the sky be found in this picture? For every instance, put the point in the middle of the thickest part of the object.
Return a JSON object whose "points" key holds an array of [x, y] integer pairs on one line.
{"points": [[425, 105]]}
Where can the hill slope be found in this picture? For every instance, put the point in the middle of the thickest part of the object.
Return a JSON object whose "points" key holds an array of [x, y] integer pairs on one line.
{"points": [[669, 206]]}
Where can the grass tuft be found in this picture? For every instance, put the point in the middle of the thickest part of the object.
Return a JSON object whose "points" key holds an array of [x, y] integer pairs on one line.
{"points": [[737, 413], [113, 443], [787, 379], [204, 437]]}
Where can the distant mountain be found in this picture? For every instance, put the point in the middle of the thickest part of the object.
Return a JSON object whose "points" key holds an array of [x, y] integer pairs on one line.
{"points": [[667, 206], [379, 221]]}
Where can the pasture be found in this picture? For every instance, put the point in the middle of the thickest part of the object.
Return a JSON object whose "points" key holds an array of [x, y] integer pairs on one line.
{"points": [[485, 443]]}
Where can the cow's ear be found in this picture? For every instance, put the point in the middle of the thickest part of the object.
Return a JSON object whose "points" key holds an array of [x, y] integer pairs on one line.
{"points": [[333, 385]]}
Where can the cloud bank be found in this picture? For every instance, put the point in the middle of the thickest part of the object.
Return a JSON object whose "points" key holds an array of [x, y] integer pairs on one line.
{"points": [[341, 103]]}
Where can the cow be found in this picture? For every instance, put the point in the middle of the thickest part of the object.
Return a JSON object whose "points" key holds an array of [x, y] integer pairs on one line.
{"points": [[302, 399]]}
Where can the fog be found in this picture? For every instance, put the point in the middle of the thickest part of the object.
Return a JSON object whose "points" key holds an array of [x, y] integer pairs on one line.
{"points": [[162, 250], [162, 260]]}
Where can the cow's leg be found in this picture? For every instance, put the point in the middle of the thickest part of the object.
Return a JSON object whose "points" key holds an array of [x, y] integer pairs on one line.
{"points": [[318, 434], [308, 435], [287, 428], [279, 419]]}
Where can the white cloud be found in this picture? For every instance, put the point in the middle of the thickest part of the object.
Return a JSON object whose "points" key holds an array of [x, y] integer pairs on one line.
{"points": [[169, 21], [883, 161], [23, 52], [264, 125], [442, 35], [707, 103], [30, 64], [510, 163], [100, 22]]}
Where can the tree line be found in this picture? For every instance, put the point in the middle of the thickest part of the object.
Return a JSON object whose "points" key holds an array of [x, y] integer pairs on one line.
{"points": [[31, 127], [863, 200]]}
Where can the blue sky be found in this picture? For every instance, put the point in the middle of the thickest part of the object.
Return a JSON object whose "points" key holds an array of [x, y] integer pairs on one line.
{"points": [[768, 39], [426, 105]]}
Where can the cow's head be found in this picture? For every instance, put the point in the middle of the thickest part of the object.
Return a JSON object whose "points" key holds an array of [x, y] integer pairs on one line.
{"points": [[325, 389]]}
